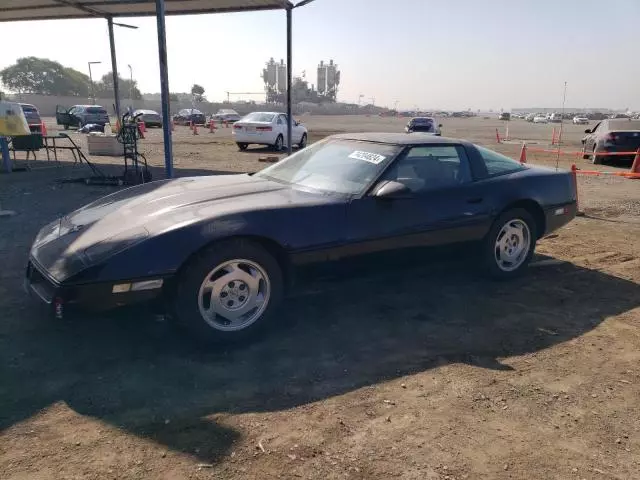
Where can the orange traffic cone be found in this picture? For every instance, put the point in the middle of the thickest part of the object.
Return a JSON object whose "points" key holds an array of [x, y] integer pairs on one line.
{"points": [[497, 136], [43, 129], [212, 126], [635, 168], [117, 126], [195, 128], [523, 153], [553, 136]]}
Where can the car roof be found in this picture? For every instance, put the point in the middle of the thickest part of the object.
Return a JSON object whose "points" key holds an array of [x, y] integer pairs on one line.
{"points": [[26, 105], [143, 110], [399, 138]]}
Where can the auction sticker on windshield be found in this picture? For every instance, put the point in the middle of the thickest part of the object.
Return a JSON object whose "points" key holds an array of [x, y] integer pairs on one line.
{"points": [[367, 157]]}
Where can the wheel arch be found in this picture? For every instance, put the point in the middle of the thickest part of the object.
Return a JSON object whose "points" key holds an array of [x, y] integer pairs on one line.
{"points": [[534, 209], [273, 247]]}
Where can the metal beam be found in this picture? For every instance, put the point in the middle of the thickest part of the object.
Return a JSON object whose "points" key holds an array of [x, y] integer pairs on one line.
{"points": [[83, 8], [164, 89], [114, 67], [289, 77]]}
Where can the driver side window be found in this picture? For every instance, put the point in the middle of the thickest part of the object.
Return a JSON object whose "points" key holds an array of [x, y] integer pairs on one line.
{"points": [[427, 167], [282, 120]]}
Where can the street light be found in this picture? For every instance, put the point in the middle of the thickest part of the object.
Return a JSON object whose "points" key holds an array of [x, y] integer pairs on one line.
{"points": [[93, 92], [130, 84]]}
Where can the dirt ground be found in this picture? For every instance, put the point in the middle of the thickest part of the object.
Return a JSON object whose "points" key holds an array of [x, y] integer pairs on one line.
{"points": [[422, 371]]}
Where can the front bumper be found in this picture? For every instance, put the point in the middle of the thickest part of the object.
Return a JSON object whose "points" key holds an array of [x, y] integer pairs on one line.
{"points": [[93, 297]]}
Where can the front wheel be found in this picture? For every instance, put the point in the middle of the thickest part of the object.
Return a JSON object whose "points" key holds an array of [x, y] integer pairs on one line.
{"points": [[229, 292], [303, 141], [279, 143], [242, 146], [509, 245]]}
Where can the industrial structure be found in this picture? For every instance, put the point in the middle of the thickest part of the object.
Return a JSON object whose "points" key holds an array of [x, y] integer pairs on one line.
{"points": [[274, 76]]}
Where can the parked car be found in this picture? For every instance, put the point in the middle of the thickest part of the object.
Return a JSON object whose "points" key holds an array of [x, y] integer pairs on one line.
{"points": [[504, 116], [32, 115], [243, 237], [267, 128], [555, 118], [188, 115], [151, 118], [540, 118], [530, 116], [423, 124], [81, 115], [226, 115], [619, 135], [580, 120]]}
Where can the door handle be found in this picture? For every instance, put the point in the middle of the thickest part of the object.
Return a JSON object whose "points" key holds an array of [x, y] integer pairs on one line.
{"points": [[474, 200]]}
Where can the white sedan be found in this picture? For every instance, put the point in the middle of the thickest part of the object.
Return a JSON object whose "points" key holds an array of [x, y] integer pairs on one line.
{"points": [[580, 120], [540, 119], [267, 128]]}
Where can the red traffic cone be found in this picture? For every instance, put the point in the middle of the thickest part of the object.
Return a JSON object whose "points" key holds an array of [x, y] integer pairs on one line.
{"points": [[635, 168], [497, 136], [140, 130], [43, 129], [523, 153], [553, 136], [212, 126]]}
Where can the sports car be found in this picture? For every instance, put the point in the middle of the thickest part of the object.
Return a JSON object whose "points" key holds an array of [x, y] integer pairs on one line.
{"points": [[221, 251]]}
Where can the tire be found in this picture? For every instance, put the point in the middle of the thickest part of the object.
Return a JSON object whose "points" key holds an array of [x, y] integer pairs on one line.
{"points": [[242, 146], [279, 144], [303, 141], [248, 268], [502, 268]]}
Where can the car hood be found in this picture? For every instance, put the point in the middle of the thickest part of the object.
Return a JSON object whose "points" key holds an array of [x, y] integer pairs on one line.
{"points": [[134, 214]]}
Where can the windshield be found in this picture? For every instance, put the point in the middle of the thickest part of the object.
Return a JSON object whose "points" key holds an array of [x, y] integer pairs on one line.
{"points": [[334, 166], [96, 110], [259, 117], [29, 109]]}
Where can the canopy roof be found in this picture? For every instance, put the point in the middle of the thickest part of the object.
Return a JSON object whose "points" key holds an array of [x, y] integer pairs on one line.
{"points": [[16, 10]]}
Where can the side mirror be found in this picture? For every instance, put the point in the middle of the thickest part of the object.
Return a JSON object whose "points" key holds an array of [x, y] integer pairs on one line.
{"points": [[392, 190], [587, 130], [440, 125]]}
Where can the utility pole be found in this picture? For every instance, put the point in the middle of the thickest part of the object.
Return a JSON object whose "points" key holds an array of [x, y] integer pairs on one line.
{"points": [[93, 90]]}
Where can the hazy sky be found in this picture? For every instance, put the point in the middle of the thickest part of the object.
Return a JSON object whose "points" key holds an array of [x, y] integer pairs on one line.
{"points": [[453, 54]]}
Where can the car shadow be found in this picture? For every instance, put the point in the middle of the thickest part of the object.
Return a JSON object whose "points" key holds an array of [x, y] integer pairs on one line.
{"points": [[335, 334]]}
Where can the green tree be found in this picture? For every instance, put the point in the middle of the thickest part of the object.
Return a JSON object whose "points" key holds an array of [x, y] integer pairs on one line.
{"points": [[44, 76], [104, 87], [198, 92]]}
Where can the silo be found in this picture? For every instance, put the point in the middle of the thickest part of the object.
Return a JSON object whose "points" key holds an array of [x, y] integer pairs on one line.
{"points": [[282, 77], [322, 78], [271, 74]]}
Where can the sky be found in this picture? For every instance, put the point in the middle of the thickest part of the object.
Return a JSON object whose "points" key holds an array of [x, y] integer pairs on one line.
{"points": [[453, 54]]}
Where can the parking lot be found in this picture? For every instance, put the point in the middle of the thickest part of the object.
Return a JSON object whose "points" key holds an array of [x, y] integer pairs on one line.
{"points": [[421, 371]]}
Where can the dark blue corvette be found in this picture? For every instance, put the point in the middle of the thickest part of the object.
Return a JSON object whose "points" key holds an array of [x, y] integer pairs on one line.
{"points": [[220, 249]]}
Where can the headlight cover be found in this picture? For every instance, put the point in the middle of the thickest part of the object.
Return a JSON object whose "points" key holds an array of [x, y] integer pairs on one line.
{"points": [[104, 249]]}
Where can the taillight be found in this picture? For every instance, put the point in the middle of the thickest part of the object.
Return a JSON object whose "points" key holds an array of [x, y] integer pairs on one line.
{"points": [[263, 129], [237, 127]]}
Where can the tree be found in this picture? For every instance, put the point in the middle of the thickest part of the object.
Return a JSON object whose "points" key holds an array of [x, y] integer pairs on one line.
{"points": [[197, 91], [104, 87], [44, 76]]}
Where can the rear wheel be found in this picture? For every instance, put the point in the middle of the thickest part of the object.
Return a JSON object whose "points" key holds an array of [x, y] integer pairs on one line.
{"points": [[229, 292], [242, 146], [510, 244]]}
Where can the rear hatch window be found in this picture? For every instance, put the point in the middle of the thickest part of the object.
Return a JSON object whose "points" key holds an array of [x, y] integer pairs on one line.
{"points": [[97, 110]]}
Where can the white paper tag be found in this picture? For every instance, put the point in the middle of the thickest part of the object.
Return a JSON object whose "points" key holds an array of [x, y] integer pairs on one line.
{"points": [[367, 157]]}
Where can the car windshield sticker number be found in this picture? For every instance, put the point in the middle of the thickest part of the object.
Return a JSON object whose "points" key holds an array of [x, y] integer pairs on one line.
{"points": [[367, 157]]}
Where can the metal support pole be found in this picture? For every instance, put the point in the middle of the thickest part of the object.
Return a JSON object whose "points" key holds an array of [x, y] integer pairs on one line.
{"points": [[289, 76], [164, 89], [114, 67]]}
